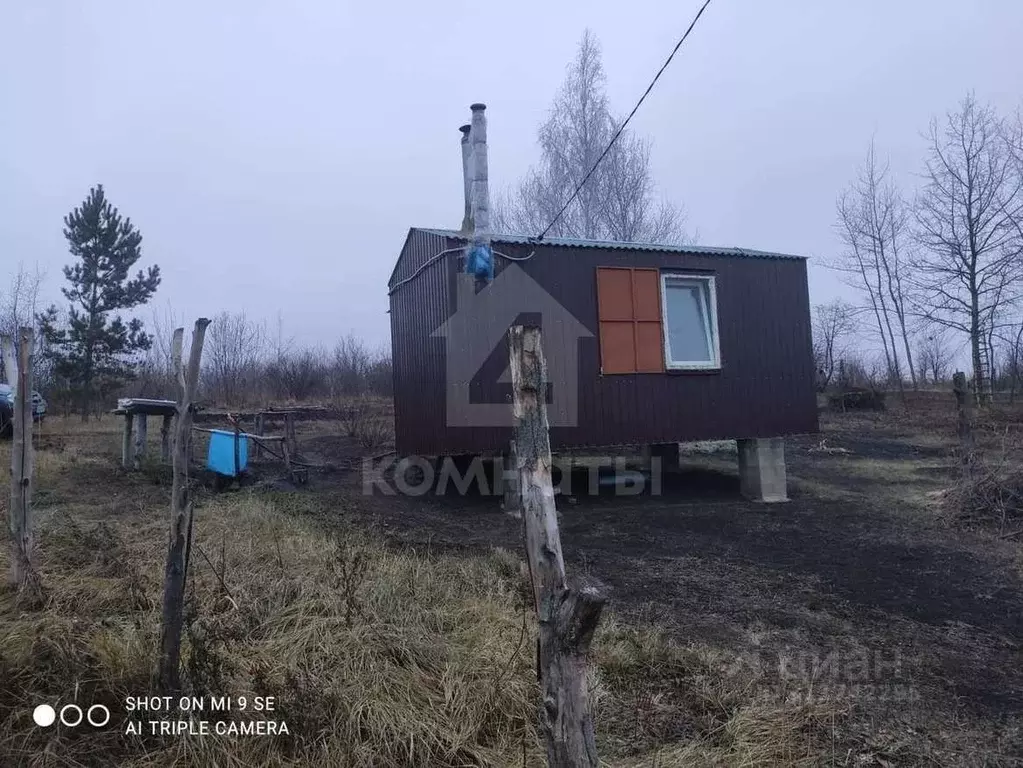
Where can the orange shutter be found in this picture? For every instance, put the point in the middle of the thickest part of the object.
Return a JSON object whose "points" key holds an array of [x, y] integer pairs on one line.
{"points": [[629, 314]]}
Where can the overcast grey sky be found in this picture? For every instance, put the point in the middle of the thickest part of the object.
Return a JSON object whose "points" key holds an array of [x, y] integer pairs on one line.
{"points": [[274, 154]]}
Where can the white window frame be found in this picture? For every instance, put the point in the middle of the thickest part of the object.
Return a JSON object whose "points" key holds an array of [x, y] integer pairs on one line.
{"points": [[711, 324]]}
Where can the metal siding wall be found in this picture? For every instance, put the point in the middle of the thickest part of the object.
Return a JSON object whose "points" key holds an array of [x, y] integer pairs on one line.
{"points": [[417, 309], [765, 387]]}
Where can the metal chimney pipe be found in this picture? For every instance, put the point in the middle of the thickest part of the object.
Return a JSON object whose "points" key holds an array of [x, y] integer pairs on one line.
{"points": [[466, 180], [480, 183]]}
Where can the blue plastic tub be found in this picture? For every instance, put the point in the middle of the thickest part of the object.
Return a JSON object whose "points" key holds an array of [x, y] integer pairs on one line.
{"points": [[221, 454]]}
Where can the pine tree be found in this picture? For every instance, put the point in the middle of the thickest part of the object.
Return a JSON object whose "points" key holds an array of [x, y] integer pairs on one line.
{"points": [[93, 346]]}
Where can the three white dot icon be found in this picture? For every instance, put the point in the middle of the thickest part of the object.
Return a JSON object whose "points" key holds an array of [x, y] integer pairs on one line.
{"points": [[71, 715]]}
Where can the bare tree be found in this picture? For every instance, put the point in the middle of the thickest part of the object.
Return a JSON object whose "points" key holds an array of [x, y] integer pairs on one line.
{"points": [[618, 202], [832, 324], [933, 356], [352, 362], [968, 224], [19, 303], [873, 224], [234, 349], [18, 306]]}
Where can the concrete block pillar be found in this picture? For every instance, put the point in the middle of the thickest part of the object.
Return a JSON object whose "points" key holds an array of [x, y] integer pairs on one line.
{"points": [[762, 469]]}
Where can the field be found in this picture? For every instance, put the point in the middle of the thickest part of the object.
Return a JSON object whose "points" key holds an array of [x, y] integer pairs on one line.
{"points": [[860, 624]]}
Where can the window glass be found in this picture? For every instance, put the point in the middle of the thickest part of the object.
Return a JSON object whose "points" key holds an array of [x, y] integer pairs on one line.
{"points": [[687, 308]]}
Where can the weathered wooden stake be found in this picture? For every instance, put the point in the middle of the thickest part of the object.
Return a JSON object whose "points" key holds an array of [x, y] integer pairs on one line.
{"points": [[509, 468], [568, 616], [285, 447], [237, 454], [141, 433], [176, 571], [289, 432], [10, 360], [23, 576], [964, 411], [257, 449], [165, 438]]}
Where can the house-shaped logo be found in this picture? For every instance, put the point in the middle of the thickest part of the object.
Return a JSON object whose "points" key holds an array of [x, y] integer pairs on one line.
{"points": [[479, 323]]}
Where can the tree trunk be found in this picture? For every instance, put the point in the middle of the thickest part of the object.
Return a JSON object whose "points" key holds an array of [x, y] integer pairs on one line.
{"points": [[176, 571], [964, 414], [567, 616], [979, 385]]}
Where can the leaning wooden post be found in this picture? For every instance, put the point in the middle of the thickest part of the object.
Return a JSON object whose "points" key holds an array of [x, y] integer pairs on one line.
{"points": [[23, 576], [176, 571], [964, 411], [567, 616]]}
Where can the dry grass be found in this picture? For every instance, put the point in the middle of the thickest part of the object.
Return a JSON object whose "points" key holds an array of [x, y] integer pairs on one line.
{"points": [[367, 419], [375, 656]]}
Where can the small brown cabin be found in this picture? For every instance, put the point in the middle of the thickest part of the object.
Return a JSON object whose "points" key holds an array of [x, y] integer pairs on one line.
{"points": [[660, 343]]}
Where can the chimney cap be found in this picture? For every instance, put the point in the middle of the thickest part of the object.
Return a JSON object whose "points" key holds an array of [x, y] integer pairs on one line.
{"points": [[477, 107], [465, 129]]}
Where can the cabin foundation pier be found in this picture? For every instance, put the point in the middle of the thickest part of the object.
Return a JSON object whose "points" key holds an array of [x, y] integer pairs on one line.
{"points": [[762, 469]]}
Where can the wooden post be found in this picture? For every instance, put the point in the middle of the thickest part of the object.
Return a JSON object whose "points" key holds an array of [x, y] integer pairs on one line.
{"points": [[141, 427], [289, 432], [257, 449], [568, 616], [165, 439], [175, 574], [964, 411], [509, 468], [237, 454], [126, 441], [10, 360], [23, 576], [285, 447]]}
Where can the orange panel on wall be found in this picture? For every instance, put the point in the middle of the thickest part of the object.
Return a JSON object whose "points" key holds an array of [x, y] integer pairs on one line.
{"points": [[629, 311], [617, 347], [614, 293], [646, 290]]}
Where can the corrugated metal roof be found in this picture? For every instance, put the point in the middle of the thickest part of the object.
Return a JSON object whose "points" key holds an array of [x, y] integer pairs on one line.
{"points": [[568, 242]]}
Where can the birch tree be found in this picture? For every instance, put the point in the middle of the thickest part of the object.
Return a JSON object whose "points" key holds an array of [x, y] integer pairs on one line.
{"points": [[968, 227], [832, 325], [618, 201], [873, 224]]}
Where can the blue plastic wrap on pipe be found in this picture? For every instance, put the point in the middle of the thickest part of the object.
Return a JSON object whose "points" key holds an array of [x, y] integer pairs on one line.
{"points": [[480, 261]]}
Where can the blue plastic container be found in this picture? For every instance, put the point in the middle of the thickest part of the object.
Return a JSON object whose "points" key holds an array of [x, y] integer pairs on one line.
{"points": [[221, 454]]}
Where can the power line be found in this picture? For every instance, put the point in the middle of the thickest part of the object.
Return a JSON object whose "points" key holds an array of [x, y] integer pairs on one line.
{"points": [[618, 133]]}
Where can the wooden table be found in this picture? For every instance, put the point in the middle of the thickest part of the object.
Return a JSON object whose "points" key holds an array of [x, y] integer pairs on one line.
{"points": [[136, 411]]}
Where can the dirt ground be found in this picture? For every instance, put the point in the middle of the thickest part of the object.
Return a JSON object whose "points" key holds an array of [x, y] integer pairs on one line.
{"points": [[856, 582]]}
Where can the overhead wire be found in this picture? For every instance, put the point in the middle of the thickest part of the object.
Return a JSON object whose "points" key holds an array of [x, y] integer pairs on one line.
{"points": [[621, 128], [589, 173]]}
